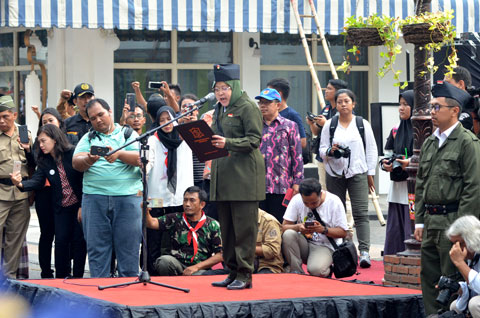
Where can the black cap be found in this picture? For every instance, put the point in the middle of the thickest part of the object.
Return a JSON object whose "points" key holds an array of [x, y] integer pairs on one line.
{"points": [[81, 89], [444, 89], [226, 72]]}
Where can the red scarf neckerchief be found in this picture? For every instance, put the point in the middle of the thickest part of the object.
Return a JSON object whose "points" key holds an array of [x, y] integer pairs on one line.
{"points": [[192, 232]]}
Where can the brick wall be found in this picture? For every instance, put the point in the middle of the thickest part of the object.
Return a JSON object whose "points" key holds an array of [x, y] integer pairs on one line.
{"points": [[402, 271]]}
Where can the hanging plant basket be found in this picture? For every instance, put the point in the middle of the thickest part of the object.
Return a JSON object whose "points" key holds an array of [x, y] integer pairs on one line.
{"points": [[420, 34], [364, 37]]}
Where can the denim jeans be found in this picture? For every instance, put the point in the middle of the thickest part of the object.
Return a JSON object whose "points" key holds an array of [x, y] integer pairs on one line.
{"points": [[112, 222]]}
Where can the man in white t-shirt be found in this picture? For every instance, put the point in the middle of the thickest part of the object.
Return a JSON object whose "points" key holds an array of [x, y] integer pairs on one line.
{"points": [[305, 239]]}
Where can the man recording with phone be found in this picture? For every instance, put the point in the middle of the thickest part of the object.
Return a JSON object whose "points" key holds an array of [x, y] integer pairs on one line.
{"points": [[305, 239], [111, 215], [15, 155]]}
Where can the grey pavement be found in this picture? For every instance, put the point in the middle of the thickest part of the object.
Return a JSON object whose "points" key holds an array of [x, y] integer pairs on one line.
{"points": [[377, 238]]}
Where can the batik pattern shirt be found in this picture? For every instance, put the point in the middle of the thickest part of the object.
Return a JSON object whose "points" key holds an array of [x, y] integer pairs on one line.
{"points": [[282, 151], [209, 241]]}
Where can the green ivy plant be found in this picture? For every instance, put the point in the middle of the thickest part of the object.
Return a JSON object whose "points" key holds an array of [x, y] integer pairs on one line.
{"points": [[442, 23], [386, 27]]}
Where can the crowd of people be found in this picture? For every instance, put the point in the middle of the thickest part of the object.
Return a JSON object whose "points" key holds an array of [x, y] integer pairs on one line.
{"points": [[251, 211]]}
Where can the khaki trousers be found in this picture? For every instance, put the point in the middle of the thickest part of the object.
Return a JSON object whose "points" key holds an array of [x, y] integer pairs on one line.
{"points": [[298, 251], [14, 219], [473, 306]]}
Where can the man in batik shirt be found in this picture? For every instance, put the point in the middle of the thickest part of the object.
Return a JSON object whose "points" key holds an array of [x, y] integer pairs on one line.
{"points": [[282, 151], [196, 244]]}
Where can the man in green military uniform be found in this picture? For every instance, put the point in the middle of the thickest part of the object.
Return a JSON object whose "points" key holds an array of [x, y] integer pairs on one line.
{"points": [[447, 187], [195, 238], [238, 180]]}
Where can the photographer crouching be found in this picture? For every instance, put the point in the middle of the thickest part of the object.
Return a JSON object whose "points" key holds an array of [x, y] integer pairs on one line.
{"points": [[464, 233]]}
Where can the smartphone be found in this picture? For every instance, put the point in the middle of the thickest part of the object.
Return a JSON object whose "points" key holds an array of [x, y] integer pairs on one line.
{"points": [[311, 116], [17, 165], [99, 151], [131, 100], [23, 133], [155, 84], [288, 196], [309, 223]]}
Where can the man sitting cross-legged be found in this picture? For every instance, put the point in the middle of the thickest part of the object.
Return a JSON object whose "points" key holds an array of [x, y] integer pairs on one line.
{"points": [[195, 238]]}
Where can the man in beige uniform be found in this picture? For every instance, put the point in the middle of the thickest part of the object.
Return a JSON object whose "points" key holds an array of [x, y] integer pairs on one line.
{"points": [[268, 252], [14, 207]]}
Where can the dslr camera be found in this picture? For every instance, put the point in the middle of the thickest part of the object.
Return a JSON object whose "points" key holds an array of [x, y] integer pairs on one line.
{"points": [[341, 152], [447, 286], [397, 166]]}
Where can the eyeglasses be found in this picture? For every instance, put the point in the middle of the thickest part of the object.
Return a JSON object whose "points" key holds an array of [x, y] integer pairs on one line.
{"points": [[264, 102], [437, 107], [221, 89], [138, 116]]}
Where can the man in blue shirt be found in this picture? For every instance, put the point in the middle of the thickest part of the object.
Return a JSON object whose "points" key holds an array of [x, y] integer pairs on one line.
{"points": [[111, 214]]}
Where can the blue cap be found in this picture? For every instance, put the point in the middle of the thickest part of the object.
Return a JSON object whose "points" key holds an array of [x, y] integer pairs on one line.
{"points": [[270, 94]]}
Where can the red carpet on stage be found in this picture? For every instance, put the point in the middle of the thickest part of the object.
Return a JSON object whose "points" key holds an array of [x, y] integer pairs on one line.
{"points": [[266, 286], [272, 295]]}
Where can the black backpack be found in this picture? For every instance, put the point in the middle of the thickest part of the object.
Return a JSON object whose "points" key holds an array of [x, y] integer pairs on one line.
{"points": [[360, 127], [127, 132]]}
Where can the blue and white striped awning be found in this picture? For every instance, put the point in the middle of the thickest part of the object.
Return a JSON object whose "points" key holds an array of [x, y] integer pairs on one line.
{"points": [[215, 15]]}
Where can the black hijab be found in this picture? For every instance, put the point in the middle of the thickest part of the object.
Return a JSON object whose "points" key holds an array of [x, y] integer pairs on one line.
{"points": [[404, 137], [171, 141]]}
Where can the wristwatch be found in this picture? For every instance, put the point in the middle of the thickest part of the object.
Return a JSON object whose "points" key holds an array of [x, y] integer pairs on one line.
{"points": [[325, 230]]}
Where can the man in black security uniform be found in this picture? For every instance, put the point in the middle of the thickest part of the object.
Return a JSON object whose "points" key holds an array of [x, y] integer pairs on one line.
{"points": [[447, 187], [79, 124]]}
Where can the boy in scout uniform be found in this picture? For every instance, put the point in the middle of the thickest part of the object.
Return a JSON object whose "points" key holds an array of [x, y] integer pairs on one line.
{"points": [[448, 183], [14, 206]]}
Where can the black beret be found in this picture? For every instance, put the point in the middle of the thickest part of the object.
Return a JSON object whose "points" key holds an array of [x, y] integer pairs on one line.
{"points": [[444, 89], [226, 72]]}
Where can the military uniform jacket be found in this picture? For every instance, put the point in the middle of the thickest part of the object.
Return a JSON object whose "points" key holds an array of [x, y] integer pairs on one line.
{"points": [[448, 174], [240, 176]]}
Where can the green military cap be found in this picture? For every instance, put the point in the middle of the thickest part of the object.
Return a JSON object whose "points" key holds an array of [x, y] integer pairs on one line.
{"points": [[6, 103]]}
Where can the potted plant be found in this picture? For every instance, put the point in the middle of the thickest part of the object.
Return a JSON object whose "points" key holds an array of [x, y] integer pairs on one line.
{"points": [[431, 31], [371, 31]]}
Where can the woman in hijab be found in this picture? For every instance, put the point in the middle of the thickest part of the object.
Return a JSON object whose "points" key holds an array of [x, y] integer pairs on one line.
{"points": [[169, 174], [237, 180], [399, 143]]}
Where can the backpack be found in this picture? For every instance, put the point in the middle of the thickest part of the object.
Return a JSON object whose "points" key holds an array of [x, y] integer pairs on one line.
{"points": [[360, 127], [127, 132]]}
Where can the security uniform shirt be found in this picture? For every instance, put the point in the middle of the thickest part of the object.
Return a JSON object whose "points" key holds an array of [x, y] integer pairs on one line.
{"points": [[77, 126], [449, 173], [269, 237]]}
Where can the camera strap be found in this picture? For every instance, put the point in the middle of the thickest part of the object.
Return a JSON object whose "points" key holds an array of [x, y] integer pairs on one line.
{"points": [[319, 219]]}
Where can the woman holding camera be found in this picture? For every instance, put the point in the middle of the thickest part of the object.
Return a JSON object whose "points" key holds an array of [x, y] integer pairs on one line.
{"points": [[349, 152], [399, 144], [54, 163]]}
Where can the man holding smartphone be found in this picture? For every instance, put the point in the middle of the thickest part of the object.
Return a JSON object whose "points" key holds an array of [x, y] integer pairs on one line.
{"points": [[111, 214], [305, 239], [14, 206]]}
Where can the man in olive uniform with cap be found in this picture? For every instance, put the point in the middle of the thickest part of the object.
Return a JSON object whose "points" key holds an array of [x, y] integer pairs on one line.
{"points": [[14, 207], [447, 187], [238, 180], [79, 124]]}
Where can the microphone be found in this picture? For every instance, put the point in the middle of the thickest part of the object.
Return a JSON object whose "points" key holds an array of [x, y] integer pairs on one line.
{"points": [[207, 98]]}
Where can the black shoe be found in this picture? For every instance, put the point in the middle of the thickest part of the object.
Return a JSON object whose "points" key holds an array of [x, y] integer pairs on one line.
{"points": [[224, 283], [238, 284]]}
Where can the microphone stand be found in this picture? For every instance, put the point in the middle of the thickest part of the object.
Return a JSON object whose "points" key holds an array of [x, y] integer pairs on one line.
{"points": [[144, 276]]}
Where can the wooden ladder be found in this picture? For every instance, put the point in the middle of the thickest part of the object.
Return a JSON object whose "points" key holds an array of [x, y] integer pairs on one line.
{"points": [[311, 64]]}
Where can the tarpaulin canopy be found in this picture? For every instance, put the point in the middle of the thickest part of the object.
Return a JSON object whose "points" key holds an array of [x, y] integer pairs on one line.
{"points": [[215, 15]]}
